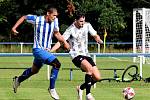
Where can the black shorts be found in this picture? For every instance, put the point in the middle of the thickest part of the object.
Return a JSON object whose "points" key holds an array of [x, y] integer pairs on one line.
{"points": [[77, 60]]}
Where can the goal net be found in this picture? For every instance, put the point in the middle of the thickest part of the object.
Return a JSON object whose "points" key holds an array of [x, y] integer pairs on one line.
{"points": [[141, 32]]}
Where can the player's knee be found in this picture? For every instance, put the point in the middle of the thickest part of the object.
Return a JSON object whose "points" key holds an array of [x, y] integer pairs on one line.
{"points": [[97, 77], [55, 63], [35, 72], [96, 74], [35, 69]]}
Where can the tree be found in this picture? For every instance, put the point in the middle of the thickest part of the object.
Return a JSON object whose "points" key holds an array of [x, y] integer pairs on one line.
{"points": [[105, 14], [114, 16], [111, 16]]}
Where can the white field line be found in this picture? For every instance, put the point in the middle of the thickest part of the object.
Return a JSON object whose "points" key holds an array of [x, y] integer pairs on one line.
{"points": [[118, 59]]}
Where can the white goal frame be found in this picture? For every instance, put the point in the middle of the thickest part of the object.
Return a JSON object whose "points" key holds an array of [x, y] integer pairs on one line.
{"points": [[141, 32]]}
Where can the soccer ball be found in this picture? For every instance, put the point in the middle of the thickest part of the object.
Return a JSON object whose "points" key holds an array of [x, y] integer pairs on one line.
{"points": [[128, 93]]}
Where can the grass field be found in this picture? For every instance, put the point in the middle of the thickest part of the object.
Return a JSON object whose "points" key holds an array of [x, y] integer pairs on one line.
{"points": [[35, 88]]}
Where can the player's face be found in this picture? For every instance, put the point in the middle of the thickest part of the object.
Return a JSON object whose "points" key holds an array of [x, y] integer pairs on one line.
{"points": [[52, 16], [80, 22]]}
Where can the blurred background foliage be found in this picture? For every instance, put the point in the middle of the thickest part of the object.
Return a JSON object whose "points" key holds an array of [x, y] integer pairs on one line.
{"points": [[114, 16]]}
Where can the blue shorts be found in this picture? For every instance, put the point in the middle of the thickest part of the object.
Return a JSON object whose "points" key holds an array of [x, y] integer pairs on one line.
{"points": [[42, 57]]}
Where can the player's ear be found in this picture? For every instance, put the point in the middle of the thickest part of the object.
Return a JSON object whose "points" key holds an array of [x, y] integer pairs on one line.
{"points": [[47, 13]]}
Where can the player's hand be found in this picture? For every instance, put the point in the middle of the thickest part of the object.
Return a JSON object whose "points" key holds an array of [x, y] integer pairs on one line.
{"points": [[15, 32], [48, 49], [100, 42]]}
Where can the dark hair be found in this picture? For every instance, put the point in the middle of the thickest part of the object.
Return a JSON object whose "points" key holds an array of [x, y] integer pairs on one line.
{"points": [[51, 9], [79, 15]]}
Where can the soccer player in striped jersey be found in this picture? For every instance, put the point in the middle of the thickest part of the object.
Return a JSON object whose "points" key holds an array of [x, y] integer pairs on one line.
{"points": [[44, 28], [77, 35]]}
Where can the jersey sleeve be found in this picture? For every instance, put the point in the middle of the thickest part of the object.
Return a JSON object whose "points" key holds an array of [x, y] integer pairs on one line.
{"points": [[31, 18], [56, 25], [67, 34], [91, 30]]}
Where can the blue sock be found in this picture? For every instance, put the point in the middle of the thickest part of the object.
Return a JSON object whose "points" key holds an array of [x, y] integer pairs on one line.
{"points": [[26, 74], [53, 77]]}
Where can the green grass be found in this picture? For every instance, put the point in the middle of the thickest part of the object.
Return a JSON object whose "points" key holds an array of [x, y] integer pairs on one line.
{"points": [[35, 88]]}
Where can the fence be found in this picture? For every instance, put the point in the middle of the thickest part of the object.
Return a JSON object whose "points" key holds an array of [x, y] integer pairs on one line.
{"points": [[140, 55], [16, 43], [93, 46]]}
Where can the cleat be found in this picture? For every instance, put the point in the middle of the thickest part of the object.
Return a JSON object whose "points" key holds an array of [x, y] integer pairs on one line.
{"points": [[15, 84], [80, 93], [89, 97], [53, 93]]}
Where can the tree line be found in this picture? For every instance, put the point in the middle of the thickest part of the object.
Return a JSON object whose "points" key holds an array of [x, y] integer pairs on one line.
{"points": [[111, 16]]}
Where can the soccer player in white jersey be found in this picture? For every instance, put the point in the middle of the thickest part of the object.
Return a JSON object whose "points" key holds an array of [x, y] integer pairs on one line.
{"points": [[44, 28], [77, 35]]}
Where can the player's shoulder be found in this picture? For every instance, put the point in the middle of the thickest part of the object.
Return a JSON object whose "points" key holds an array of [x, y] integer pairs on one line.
{"points": [[71, 27], [31, 15], [56, 19], [30, 18], [87, 23]]}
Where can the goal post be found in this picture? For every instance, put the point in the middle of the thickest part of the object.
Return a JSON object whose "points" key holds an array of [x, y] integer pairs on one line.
{"points": [[141, 32]]}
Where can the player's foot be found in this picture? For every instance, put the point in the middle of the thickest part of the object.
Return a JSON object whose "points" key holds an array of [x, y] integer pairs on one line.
{"points": [[15, 84], [80, 93], [53, 93], [89, 97]]}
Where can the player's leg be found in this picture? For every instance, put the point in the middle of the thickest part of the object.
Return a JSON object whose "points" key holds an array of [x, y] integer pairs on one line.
{"points": [[25, 75], [95, 77], [86, 85], [54, 72], [81, 62], [29, 72], [95, 74], [77, 62], [80, 92], [53, 61], [88, 68], [37, 64]]}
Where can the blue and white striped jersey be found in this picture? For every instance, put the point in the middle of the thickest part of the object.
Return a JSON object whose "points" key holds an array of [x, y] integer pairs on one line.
{"points": [[43, 31]]}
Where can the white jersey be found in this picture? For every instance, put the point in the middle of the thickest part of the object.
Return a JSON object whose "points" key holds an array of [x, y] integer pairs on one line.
{"points": [[43, 31], [78, 39]]}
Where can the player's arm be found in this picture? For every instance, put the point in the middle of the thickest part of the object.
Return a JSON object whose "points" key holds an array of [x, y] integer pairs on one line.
{"points": [[55, 47], [61, 41], [20, 21], [94, 34], [98, 39]]}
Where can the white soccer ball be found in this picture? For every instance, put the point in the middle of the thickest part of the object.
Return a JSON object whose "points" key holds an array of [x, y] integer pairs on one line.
{"points": [[128, 93]]}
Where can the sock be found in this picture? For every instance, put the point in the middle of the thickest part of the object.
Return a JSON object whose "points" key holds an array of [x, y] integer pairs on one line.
{"points": [[53, 77], [83, 86], [88, 79], [93, 82], [25, 75]]}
